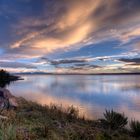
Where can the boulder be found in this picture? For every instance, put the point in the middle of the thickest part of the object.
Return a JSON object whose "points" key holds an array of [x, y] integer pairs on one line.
{"points": [[7, 100]]}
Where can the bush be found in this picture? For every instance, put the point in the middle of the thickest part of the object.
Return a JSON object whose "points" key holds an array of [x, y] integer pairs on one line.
{"points": [[135, 128], [72, 113], [113, 120]]}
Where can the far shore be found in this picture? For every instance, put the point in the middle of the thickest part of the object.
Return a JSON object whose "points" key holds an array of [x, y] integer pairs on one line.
{"points": [[38, 73]]}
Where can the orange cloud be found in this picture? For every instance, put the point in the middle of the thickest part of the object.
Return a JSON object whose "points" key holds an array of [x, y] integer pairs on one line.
{"points": [[74, 23], [72, 28]]}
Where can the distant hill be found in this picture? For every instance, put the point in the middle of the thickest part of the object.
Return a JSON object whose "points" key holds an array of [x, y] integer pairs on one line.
{"points": [[46, 73]]}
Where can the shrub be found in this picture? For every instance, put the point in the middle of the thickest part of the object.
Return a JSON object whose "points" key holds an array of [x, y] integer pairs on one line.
{"points": [[135, 128], [72, 113], [113, 120]]}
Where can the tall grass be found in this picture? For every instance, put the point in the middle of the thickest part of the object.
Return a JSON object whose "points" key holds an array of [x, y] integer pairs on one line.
{"points": [[32, 121], [7, 131]]}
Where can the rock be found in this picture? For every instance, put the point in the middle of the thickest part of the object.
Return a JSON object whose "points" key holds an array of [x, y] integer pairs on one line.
{"points": [[6, 93], [2, 103], [7, 100], [3, 117], [13, 102], [1, 94]]}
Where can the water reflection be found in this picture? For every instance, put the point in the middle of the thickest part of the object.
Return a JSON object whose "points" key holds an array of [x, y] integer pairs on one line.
{"points": [[91, 94]]}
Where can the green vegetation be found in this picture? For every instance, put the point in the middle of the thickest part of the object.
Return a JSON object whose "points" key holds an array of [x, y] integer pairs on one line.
{"points": [[114, 121], [135, 128], [6, 78], [32, 121]]}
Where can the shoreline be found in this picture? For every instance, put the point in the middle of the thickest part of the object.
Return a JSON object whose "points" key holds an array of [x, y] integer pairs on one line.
{"points": [[21, 119], [34, 121]]}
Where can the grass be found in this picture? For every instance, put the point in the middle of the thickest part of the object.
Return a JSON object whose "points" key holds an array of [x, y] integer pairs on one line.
{"points": [[32, 121]]}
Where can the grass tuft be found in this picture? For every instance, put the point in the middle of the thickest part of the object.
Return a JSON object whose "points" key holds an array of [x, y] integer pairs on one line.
{"points": [[114, 121], [135, 128]]}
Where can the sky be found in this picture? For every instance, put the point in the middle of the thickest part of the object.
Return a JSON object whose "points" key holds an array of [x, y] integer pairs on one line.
{"points": [[70, 36]]}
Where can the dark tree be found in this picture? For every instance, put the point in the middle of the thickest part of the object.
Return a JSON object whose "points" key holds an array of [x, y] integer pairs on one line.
{"points": [[6, 78]]}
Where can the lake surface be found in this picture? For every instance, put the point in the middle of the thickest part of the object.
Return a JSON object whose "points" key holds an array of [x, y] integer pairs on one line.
{"points": [[90, 94]]}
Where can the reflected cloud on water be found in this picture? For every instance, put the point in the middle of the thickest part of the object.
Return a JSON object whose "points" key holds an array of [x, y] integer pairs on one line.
{"points": [[91, 94]]}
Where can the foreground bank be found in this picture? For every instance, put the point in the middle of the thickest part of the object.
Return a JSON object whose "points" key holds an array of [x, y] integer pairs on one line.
{"points": [[32, 121]]}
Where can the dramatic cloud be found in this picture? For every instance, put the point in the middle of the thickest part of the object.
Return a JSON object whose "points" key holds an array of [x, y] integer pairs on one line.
{"points": [[134, 61], [75, 22], [33, 29]]}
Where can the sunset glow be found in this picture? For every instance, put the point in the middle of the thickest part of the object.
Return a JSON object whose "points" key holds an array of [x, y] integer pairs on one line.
{"points": [[70, 36]]}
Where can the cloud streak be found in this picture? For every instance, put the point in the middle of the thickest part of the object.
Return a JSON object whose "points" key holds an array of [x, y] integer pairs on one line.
{"points": [[64, 61], [75, 23], [133, 61], [15, 65]]}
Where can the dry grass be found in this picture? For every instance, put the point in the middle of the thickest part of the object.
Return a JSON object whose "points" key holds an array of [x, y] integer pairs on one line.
{"points": [[32, 121]]}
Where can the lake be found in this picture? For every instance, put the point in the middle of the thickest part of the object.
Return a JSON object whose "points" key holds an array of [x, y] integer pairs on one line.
{"points": [[91, 94]]}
